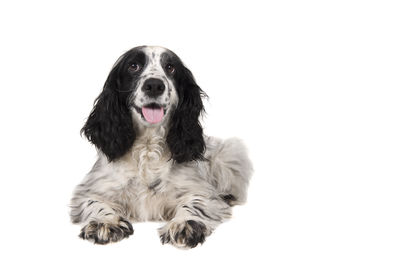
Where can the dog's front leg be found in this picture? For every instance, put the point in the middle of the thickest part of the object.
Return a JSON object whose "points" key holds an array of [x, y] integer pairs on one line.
{"points": [[101, 223], [196, 217]]}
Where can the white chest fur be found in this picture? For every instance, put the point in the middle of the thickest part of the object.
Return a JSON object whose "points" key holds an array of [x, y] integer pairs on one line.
{"points": [[142, 175], [150, 157]]}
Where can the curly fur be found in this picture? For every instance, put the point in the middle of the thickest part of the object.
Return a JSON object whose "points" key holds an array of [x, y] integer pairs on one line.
{"points": [[185, 137], [110, 125], [167, 171]]}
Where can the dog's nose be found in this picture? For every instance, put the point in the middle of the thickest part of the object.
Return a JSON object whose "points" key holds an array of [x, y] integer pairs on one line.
{"points": [[153, 87]]}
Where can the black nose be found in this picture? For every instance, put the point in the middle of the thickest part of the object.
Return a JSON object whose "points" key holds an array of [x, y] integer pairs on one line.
{"points": [[153, 87]]}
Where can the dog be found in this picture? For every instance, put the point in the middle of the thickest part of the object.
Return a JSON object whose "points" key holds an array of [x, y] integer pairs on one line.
{"points": [[154, 162]]}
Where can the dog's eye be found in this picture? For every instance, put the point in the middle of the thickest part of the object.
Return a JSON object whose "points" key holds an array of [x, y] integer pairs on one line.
{"points": [[134, 67], [170, 68]]}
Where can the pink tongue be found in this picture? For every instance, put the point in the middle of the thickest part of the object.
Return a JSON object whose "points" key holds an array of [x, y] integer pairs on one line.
{"points": [[153, 115]]}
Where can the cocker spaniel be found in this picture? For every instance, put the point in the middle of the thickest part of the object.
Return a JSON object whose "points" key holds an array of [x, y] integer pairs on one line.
{"points": [[154, 163]]}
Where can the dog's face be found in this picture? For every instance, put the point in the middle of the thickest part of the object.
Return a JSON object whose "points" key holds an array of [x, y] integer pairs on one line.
{"points": [[148, 87], [149, 74]]}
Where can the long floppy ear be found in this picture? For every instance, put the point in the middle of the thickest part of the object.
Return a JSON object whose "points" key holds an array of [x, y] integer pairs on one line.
{"points": [[110, 126], [185, 136]]}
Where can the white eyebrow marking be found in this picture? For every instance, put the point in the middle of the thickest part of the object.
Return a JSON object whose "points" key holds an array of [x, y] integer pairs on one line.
{"points": [[154, 67]]}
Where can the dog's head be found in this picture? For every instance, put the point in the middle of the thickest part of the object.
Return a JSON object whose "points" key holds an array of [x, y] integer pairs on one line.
{"points": [[148, 87]]}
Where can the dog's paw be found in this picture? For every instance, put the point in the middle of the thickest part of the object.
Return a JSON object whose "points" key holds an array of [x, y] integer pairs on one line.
{"points": [[104, 233], [187, 234]]}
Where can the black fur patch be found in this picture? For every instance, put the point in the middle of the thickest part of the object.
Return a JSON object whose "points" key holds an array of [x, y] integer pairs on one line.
{"points": [[154, 184], [229, 199], [185, 137], [197, 235], [110, 125]]}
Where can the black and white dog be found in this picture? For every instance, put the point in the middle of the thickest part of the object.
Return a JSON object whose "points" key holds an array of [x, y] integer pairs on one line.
{"points": [[154, 163]]}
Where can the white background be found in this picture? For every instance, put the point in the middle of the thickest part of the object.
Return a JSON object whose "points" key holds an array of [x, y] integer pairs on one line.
{"points": [[312, 87]]}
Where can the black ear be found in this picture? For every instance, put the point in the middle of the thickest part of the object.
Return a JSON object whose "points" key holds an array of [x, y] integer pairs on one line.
{"points": [[185, 136], [110, 125]]}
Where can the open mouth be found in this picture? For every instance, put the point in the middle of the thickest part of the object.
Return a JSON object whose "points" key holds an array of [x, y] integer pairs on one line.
{"points": [[152, 113]]}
